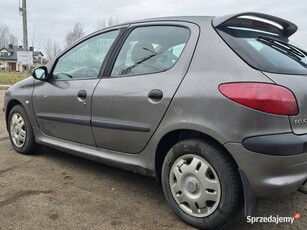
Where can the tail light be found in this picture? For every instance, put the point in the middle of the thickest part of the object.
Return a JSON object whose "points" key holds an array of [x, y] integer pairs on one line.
{"points": [[264, 97]]}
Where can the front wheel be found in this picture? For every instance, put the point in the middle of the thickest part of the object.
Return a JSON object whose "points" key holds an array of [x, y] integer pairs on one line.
{"points": [[20, 131], [201, 183]]}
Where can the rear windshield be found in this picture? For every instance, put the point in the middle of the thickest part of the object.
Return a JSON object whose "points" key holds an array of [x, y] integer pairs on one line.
{"points": [[266, 51]]}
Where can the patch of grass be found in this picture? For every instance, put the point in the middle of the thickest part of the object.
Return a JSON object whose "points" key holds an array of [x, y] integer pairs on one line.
{"points": [[10, 78]]}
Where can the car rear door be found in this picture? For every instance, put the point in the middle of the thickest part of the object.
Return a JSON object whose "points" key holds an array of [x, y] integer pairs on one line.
{"points": [[63, 103], [145, 72]]}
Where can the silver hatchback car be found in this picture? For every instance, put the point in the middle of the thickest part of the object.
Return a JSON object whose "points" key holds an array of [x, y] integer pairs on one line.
{"points": [[214, 107]]}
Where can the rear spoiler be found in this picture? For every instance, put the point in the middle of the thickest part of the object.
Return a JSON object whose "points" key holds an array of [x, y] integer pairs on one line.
{"points": [[252, 20]]}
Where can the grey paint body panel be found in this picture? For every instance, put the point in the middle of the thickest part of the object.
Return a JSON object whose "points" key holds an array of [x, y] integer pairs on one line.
{"points": [[268, 175], [132, 162], [59, 98], [20, 93]]}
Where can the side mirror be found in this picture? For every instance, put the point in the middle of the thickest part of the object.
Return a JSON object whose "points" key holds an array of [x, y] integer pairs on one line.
{"points": [[40, 73]]}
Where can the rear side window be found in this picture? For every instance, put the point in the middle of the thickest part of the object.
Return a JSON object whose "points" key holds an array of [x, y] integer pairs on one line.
{"points": [[266, 51], [150, 49]]}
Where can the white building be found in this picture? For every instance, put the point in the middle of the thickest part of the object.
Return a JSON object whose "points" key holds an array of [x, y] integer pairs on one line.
{"points": [[8, 58]]}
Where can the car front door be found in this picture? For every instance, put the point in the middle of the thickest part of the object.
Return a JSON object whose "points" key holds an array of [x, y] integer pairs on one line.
{"points": [[62, 104], [131, 99]]}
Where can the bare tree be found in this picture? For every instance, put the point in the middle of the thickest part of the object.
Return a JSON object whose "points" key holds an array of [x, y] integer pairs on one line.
{"points": [[113, 21], [36, 41], [101, 24], [4, 31], [13, 39], [52, 49], [105, 23], [6, 37], [75, 34]]}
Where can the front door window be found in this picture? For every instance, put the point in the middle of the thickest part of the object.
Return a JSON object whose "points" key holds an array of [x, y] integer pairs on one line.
{"points": [[84, 60]]}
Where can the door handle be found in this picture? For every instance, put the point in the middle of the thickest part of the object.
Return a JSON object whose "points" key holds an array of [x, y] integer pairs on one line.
{"points": [[155, 95]]}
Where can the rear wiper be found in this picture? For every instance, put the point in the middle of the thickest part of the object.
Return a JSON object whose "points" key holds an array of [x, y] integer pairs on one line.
{"points": [[288, 49]]}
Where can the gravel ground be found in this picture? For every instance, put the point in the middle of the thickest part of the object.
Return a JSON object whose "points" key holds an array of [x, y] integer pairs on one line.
{"points": [[54, 190]]}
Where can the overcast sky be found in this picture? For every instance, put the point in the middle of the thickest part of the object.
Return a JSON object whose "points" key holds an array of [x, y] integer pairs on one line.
{"points": [[53, 19]]}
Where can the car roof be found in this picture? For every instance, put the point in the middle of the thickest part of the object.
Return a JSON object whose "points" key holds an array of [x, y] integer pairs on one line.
{"points": [[285, 28], [193, 19]]}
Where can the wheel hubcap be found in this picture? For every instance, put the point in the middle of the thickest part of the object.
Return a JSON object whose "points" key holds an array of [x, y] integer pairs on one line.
{"points": [[17, 130], [195, 185]]}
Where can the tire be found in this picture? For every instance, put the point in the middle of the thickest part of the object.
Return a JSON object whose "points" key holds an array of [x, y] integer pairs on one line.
{"points": [[202, 184], [20, 131]]}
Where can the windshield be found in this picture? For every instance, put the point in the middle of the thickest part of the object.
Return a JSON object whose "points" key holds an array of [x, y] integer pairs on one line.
{"points": [[266, 51]]}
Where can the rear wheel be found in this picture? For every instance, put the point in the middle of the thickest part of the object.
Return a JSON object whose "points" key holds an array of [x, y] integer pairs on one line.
{"points": [[20, 131], [201, 183]]}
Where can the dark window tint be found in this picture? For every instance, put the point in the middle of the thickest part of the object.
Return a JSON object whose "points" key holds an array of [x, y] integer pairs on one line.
{"points": [[150, 49], [266, 51]]}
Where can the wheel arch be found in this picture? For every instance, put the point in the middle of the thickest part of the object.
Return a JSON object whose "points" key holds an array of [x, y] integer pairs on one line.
{"points": [[173, 137], [9, 107]]}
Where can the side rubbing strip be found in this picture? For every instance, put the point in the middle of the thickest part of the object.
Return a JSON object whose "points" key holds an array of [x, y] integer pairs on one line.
{"points": [[95, 123], [120, 125], [66, 119]]}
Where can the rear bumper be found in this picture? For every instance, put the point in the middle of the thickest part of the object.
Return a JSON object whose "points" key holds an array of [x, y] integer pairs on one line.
{"points": [[271, 175]]}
